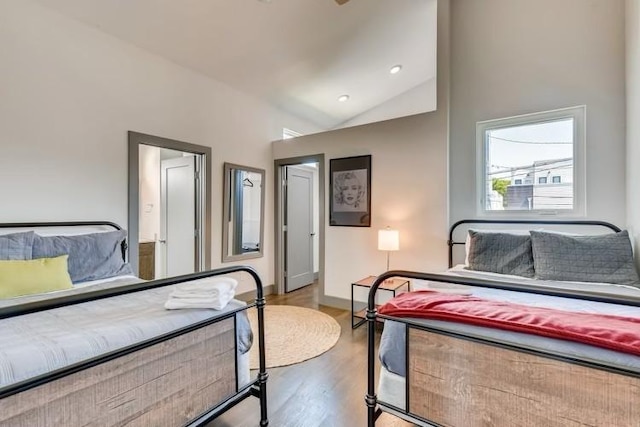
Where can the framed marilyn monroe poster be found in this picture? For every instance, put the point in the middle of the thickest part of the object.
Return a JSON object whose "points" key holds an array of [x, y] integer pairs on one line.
{"points": [[350, 191]]}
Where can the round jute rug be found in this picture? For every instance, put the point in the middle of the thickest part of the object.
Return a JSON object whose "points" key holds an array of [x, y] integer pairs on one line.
{"points": [[293, 334]]}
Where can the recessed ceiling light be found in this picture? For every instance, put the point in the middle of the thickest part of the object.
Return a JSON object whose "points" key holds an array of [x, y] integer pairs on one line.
{"points": [[395, 69], [343, 98]]}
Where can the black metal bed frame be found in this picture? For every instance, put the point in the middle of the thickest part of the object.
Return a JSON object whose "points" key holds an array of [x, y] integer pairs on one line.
{"points": [[374, 407], [256, 387]]}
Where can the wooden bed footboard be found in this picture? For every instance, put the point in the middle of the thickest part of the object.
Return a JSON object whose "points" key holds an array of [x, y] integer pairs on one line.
{"points": [[169, 383], [459, 382]]}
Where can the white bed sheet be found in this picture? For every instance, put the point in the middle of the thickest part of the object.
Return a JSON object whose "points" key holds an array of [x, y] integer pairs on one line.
{"points": [[391, 388], [40, 342], [591, 287]]}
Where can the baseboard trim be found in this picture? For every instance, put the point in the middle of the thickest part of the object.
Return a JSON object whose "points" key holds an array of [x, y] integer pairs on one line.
{"points": [[344, 304], [341, 303], [251, 295]]}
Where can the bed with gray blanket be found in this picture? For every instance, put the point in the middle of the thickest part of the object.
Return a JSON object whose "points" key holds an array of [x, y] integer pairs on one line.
{"points": [[437, 372], [105, 351]]}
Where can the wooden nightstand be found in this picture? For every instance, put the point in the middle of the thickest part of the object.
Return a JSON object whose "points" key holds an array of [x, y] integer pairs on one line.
{"points": [[389, 285], [147, 260]]}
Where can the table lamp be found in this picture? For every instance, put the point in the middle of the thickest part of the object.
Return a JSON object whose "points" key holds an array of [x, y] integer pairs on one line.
{"points": [[388, 240]]}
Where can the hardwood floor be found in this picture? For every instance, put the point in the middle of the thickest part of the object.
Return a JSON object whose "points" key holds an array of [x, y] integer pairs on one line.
{"points": [[327, 391]]}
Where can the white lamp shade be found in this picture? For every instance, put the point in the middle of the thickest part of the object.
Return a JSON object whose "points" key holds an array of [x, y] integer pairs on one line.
{"points": [[388, 240]]}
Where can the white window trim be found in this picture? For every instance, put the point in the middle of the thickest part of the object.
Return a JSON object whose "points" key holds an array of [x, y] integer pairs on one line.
{"points": [[289, 134], [579, 114]]}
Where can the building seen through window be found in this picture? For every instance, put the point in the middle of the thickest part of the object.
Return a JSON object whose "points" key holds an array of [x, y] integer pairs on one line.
{"points": [[529, 162]]}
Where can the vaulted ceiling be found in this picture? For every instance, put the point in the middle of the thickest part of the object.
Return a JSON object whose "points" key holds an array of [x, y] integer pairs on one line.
{"points": [[298, 55]]}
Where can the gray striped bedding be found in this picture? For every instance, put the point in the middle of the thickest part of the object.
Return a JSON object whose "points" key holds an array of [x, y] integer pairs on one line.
{"points": [[41, 342]]}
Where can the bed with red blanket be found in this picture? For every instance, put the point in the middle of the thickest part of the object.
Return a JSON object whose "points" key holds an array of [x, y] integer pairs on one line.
{"points": [[472, 350], [610, 331]]}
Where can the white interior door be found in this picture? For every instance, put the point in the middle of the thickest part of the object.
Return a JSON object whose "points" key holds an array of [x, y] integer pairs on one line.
{"points": [[299, 228], [178, 215]]}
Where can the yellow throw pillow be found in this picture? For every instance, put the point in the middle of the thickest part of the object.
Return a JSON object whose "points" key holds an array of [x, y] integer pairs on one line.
{"points": [[33, 276]]}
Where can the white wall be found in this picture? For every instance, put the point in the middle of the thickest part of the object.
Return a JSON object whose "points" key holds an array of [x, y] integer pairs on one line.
{"points": [[514, 57], [70, 93], [409, 187], [633, 120], [414, 101]]}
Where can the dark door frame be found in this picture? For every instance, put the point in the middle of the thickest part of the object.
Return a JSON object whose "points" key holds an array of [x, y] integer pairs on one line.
{"points": [[204, 234], [279, 207]]}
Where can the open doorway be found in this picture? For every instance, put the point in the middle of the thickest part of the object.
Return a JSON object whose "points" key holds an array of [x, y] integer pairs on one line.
{"points": [[169, 209], [299, 222]]}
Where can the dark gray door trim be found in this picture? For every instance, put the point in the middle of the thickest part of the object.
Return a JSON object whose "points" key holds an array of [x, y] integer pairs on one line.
{"points": [[135, 140], [279, 215]]}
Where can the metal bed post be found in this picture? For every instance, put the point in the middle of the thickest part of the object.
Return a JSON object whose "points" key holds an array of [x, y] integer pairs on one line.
{"points": [[373, 412], [261, 389]]}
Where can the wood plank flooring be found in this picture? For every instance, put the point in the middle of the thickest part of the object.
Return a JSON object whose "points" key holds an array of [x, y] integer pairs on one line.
{"points": [[327, 391]]}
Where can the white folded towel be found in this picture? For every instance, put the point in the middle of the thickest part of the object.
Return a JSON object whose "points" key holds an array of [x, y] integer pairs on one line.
{"points": [[175, 304], [210, 292], [202, 297], [208, 284]]}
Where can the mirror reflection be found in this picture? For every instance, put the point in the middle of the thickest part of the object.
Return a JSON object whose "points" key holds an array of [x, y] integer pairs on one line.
{"points": [[243, 222]]}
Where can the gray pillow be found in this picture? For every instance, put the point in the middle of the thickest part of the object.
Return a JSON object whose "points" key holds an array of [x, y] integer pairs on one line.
{"points": [[91, 256], [605, 258], [503, 253], [16, 245]]}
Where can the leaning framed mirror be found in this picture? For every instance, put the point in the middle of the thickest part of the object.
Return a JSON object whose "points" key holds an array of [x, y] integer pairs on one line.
{"points": [[243, 216]]}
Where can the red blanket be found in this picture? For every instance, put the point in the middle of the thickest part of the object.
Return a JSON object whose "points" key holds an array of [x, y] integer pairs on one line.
{"points": [[613, 332]]}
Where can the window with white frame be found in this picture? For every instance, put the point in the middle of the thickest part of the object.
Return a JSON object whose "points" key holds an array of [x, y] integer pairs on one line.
{"points": [[532, 163], [288, 133]]}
